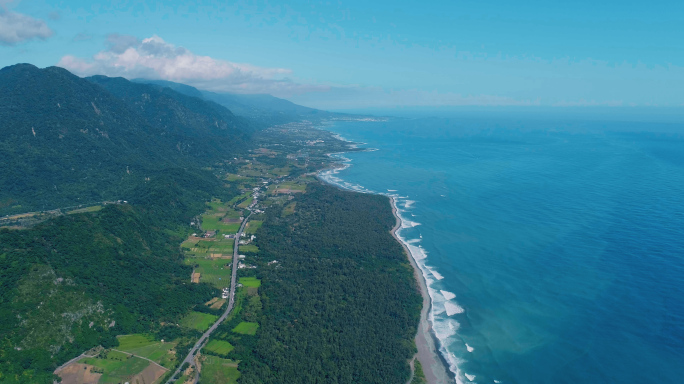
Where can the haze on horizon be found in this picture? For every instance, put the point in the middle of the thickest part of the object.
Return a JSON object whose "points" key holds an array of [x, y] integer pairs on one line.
{"points": [[359, 54]]}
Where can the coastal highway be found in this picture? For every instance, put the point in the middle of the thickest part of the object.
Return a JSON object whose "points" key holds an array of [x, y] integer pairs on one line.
{"points": [[190, 358]]}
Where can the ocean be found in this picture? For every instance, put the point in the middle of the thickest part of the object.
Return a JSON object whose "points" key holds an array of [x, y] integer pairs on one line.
{"points": [[553, 249]]}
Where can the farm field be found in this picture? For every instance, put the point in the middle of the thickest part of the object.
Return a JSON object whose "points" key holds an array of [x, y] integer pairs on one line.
{"points": [[248, 248], [94, 208], [199, 321], [216, 370], [117, 367], [250, 282], [213, 271], [219, 346], [246, 203], [246, 328], [146, 346], [253, 226]]}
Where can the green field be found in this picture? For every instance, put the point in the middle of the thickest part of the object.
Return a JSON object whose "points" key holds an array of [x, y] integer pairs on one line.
{"points": [[199, 321], [219, 346], [241, 197], [289, 209], [252, 226], [248, 248], [94, 208], [250, 282], [216, 370], [215, 272], [146, 346], [246, 203], [246, 328], [117, 367]]}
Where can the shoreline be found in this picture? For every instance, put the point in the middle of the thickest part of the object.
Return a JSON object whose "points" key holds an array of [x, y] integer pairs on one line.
{"points": [[435, 367]]}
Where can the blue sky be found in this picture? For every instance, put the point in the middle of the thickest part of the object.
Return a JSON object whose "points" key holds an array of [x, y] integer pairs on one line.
{"points": [[354, 54]]}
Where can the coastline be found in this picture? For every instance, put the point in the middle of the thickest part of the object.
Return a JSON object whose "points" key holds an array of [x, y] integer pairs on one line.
{"points": [[434, 366]]}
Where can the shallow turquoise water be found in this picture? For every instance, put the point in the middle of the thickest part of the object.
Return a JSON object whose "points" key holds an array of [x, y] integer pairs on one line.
{"points": [[554, 250]]}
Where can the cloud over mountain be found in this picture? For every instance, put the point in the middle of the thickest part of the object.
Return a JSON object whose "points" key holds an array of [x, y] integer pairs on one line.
{"points": [[17, 28], [154, 58]]}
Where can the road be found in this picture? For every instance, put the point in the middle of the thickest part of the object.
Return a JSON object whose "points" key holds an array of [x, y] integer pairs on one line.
{"points": [[233, 283]]}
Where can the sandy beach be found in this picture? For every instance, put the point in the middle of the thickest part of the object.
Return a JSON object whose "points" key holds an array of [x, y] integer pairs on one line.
{"points": [[434, 366]]}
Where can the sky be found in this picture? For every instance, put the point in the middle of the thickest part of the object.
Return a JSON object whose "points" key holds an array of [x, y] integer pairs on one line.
{"points": [[377, 54]]}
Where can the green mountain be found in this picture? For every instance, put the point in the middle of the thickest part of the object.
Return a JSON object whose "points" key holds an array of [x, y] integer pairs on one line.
{"points": [[67, 140], [263, 108]]}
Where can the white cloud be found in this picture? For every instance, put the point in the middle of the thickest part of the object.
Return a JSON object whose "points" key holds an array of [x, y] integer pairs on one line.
{"points": [[153, 58], [16, 28]]}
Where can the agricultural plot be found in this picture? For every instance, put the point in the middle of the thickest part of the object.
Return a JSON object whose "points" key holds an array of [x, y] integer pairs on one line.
{"points": [[220, 347], [250, 282], [238, 198], [216, 370], [116, 367], [246, 328], [94, 208], [213, 248], [289, 209], [213, 271], [253, 226], [288, 187], [246, 203], [248, 248], [199, 321], [146, 346]]}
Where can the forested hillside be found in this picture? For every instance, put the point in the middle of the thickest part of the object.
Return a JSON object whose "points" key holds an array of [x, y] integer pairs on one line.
{"points": [[341, 305], [66, 140], [76, 281]]}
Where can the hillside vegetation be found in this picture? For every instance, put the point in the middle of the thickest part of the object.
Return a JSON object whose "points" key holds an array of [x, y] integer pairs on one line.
{"points": [[67, 140], [77, 281]]}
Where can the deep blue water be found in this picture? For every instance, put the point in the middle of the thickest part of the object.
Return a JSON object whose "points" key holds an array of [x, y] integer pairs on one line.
{"points": [[562, 242]]}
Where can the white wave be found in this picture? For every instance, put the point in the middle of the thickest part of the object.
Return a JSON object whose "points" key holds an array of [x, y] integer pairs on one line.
{"points": [[469, 348], [436, 274], [497, 381], [470, 377], [452, 309], [448, 295], [444, 328], [391, 190]]}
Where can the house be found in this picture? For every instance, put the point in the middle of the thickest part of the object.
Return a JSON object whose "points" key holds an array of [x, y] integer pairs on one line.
{"points": [[210, 234]]}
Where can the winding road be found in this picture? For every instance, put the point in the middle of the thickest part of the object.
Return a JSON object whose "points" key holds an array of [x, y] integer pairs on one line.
{"points": [[190, 358]]}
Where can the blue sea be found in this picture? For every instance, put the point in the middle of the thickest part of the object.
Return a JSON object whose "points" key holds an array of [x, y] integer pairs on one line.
{"points": [[553, 249]]}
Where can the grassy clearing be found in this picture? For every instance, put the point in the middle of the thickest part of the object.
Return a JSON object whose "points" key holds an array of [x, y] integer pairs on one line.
{"points": [[146, 346], [199, 321], [246, 328], [220, 347], [250, 282], [253, 226], [248, 248], [117, 367], [215, 272], [216, 370], [289, 209], [94, 208], [238, 198], [246, 203]]}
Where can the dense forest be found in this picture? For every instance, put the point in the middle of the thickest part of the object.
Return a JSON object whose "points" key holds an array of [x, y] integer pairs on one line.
{"points": [[341, 305], [76, 281]]}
